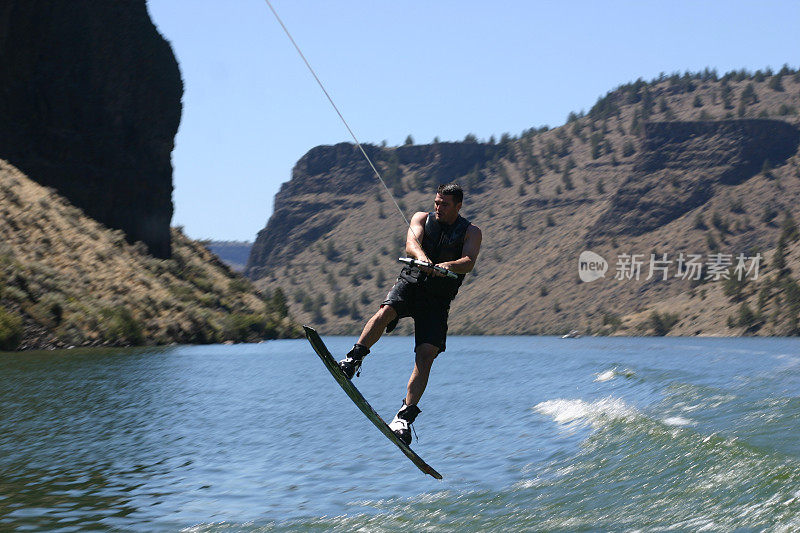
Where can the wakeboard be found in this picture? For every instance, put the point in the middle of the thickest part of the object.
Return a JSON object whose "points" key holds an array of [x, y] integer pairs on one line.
{"points": [[358, 399]]}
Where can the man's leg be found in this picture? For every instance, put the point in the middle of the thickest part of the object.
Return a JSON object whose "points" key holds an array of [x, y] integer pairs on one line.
{"points": [[430, 334], [401, 424], [376, 325], [425, 355]]}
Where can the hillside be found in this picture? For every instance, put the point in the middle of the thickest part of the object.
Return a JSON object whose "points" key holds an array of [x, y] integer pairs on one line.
{"points": [[66, 280], [684, 164]]}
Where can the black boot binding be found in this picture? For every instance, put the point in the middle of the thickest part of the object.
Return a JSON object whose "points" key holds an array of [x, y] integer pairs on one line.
{"points": [[401, 424], [351, 364]]}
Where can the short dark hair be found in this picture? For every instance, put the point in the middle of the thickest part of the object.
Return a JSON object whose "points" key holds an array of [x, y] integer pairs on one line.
{"points": [[452, 189]]}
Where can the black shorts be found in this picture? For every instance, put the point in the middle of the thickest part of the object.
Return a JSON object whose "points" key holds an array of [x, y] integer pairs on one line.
{"points": [[428, 311]]}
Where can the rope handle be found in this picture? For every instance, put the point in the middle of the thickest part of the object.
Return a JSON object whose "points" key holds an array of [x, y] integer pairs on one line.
{"points": [[417, 263]]}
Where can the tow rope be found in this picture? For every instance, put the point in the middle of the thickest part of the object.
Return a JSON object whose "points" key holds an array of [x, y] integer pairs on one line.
{"points": [[353, 135]]}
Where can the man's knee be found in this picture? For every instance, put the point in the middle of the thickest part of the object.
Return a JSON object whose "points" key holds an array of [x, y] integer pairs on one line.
{"points": [[425, 354], [385, 314]]}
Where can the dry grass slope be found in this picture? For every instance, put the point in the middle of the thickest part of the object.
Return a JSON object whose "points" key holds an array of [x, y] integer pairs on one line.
{"points": [[66, 280]]}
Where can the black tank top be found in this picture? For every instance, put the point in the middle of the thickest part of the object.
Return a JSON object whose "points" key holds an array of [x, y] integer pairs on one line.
{"points": [[441, 242]]}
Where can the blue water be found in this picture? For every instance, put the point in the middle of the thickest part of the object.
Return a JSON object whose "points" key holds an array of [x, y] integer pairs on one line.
{"points": [[530, 433]]}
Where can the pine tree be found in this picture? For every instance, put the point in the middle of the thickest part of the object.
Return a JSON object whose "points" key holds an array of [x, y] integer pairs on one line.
{"points": [[278, 303], [307, 303], [779, 259], [339, 306], [504, 179], [354, 312], [741, 110], [648, 103], [636, 126], [727, 95], [749, 95], [628, 149], [567, 180], [789, 229], [775, 83], [595, 141], [392, 174]]}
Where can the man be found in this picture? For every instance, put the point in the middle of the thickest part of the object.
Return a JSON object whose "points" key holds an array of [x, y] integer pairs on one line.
{"points": [[450, 241]]}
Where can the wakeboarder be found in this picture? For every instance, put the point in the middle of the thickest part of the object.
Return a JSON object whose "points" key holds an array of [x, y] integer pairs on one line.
{"points": [[449, 242]]}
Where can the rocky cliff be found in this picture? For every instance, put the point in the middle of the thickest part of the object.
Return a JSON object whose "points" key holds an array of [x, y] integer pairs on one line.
{"points": [[330, 181], [90, 102], [681, 165]]}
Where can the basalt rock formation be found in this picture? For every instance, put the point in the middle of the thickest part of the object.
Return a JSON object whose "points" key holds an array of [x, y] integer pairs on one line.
{"points": [[681, 164], [90, 102], [329, 181]]}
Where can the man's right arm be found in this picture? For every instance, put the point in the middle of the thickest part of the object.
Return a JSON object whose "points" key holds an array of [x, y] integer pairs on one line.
{"points": [[414, 237]]}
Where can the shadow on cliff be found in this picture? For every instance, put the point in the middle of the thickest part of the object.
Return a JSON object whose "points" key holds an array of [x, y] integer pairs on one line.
{"points": [[683, 164], [90, 102]]}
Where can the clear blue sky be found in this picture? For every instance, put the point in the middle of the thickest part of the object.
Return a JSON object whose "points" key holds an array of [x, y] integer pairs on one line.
{"points": [[432, 68]]}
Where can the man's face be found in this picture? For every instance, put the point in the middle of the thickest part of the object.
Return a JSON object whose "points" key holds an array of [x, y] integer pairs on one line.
{"points": [[445, 208]]}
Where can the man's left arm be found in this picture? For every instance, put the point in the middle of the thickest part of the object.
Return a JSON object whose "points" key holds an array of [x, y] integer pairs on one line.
{"points": [[470, 250]]}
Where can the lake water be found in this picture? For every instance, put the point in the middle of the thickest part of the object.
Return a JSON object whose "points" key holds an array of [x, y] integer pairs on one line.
{"points": [[530, 433]]}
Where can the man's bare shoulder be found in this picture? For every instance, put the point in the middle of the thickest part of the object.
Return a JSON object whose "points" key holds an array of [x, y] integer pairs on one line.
{"points": [[419, 216], [474, 231]]}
